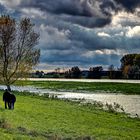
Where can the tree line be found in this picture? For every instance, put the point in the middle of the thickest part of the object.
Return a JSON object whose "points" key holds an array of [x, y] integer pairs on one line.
{"points": [[129, 69]]}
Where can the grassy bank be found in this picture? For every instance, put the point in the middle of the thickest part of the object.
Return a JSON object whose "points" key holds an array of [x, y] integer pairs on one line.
{"points": [[41, 118], [126, 88]]}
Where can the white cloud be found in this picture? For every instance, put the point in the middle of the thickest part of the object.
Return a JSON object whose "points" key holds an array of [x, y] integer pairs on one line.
{"points": [[33, 13], [119, 34], [125, 19], [133, 32], [90, 54], [10, 3], [103, 34]]}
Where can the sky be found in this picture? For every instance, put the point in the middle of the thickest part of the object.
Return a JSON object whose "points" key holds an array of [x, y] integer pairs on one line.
{"points": [[84, 33]]}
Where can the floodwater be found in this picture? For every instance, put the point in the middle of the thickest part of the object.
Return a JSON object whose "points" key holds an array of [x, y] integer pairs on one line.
{"points": [[86, 80], [130, 103]]}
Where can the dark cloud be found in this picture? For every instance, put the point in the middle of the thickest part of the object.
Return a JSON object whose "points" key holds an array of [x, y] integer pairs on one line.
{"points": [[86, 21], [82, 32], [73, 58], [129, 5], [86, 47], [107, 6], [88, 13], [75, 8], [106, 38], [70, 7]]}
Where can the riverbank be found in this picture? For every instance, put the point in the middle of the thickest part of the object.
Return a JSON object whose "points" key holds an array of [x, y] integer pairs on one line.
{"points": [[129, 103], [37, 117], [125, 88]]}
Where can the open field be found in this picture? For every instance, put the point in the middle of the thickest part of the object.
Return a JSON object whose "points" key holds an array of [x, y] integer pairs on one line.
{"points": [[125, 88], [42, 118]]}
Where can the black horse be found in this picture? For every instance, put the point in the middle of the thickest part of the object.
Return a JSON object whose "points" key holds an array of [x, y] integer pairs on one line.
{"points": [[9, 99]]}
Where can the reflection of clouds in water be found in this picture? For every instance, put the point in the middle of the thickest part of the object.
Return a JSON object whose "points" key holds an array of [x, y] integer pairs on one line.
{"points": [[130, 103]]}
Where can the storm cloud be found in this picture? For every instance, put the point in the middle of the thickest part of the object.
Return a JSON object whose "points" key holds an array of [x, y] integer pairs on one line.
{"points": [[88, 13], [81, 32], [75, 11], [129, 5]]}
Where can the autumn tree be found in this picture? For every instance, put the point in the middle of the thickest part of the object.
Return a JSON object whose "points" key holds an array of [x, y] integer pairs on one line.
{"points": [[18, 54], [127, 59], [130, 65]]}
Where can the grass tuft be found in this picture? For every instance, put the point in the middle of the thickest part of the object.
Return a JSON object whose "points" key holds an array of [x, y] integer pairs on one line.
{"points": [[4, 123]]}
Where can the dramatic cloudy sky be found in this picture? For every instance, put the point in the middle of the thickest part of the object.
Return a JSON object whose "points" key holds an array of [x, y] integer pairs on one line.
{"points": [[81, 33]]}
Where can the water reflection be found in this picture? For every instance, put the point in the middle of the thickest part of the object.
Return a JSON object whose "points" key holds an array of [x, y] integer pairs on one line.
{"points": [[130, 103]]}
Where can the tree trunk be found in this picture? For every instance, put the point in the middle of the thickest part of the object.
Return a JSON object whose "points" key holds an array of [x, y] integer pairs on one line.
{"points": [[8, 87]]}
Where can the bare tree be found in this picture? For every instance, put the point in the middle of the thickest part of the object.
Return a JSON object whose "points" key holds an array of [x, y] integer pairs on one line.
{"points": [[18, 54]]}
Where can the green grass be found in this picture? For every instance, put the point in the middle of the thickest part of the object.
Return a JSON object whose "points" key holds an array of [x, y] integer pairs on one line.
{"points": [[41, 118], [125, 88]]}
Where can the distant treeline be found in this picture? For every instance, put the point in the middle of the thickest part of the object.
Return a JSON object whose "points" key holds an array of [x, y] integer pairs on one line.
{"points": [[130, 69]]}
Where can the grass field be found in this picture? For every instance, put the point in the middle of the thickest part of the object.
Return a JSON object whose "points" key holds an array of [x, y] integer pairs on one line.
{"points": [[42, 118], [125, 88]]}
